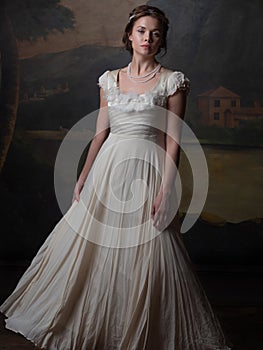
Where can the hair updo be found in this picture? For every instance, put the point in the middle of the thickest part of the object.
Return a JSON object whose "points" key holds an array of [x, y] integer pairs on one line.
{"points": [[141, 11]]}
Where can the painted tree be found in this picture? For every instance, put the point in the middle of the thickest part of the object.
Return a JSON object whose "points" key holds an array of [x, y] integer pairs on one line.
{"points": [[22, 20]]}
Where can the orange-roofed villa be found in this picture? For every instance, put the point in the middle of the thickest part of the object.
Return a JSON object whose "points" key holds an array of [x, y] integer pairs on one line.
{"points": [[221, 107]]}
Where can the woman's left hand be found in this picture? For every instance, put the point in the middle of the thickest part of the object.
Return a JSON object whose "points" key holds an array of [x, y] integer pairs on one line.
{"points": [[162, 208]]}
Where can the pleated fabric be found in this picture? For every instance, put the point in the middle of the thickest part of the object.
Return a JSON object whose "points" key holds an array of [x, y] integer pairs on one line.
{"points": [[106, 278]]}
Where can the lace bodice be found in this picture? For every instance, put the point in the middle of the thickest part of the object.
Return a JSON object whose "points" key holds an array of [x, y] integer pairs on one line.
{"points": [[140, 114], [168, 83]]}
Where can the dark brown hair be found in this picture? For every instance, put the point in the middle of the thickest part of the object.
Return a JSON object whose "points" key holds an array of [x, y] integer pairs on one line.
{"points": [[141, 11]]}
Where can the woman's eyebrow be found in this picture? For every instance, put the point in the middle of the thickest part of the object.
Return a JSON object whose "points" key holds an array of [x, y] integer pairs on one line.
{"points": [[152, 29]]}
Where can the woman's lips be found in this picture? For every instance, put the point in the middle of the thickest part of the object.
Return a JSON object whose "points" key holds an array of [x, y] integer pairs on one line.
{"points": [[145, 46]]}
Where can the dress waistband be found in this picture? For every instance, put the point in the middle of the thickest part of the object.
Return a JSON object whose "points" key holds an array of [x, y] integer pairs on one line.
{"points": [[151, 137]]}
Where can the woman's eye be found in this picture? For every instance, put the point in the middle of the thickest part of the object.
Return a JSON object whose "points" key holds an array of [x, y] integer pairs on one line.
{"points": [[157, 34], [140, 31]]}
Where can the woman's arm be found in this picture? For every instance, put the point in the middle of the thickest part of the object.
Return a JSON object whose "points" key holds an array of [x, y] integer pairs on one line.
{"points": [[162, 208], [102, 131], [175, 114]]}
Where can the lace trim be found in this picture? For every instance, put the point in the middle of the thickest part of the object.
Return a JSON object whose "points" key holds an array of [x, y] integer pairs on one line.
{"points": [[103, 81], [177, 81], [130, 101]]}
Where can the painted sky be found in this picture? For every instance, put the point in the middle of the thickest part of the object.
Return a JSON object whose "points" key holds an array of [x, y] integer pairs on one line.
{"points": [[97, 23]]}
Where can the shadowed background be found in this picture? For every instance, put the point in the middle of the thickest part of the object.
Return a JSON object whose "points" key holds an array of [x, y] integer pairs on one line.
{"points": [[62, 48], [52, 54]]}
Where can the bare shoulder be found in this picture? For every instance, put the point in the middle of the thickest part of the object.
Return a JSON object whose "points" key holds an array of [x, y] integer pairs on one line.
{"points": [[123, 70], [166, 70]]}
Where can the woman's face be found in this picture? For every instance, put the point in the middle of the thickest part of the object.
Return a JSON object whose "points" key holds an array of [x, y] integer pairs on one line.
{"points": [[146, 36]]}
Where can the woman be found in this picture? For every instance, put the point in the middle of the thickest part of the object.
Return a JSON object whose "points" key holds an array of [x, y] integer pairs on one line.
{"points": [[114, 273]]}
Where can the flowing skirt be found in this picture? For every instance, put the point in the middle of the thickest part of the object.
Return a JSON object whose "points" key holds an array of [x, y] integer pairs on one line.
{"points": [[105, 278]]}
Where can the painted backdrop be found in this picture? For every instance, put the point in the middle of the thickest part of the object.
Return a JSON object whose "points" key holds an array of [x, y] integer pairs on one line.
{"points": [[52, 53]]}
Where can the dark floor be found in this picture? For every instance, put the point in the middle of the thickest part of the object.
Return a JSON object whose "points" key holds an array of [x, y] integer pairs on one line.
{"points": [[235, 293]]}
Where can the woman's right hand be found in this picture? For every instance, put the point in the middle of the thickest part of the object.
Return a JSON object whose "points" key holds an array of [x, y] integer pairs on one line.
{"points": [[78, 188]]}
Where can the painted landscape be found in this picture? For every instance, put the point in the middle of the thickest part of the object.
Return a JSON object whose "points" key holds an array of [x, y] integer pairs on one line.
{"points": [[216, 44]]}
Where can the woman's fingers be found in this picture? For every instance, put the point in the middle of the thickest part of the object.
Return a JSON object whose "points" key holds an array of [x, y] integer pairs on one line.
{"points": [[160, 219], [157, 220], [76, 195]]}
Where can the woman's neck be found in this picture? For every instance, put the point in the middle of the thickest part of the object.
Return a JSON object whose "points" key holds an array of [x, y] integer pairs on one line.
{"points": [[140, 66]]}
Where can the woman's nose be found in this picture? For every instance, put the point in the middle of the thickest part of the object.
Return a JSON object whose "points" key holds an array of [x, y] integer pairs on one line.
{"points": [[148, 37]]}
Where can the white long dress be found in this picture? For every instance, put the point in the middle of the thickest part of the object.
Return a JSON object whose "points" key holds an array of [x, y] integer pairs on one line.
{"points": [[106, 278]]}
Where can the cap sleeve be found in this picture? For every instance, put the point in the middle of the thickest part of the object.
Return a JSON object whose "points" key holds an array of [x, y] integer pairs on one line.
{"points": [[177, 81], [103, 81]]}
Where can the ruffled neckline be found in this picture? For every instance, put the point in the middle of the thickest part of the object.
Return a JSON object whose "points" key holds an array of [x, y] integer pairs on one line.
{"points": [[167, 85], [132, 101]]}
